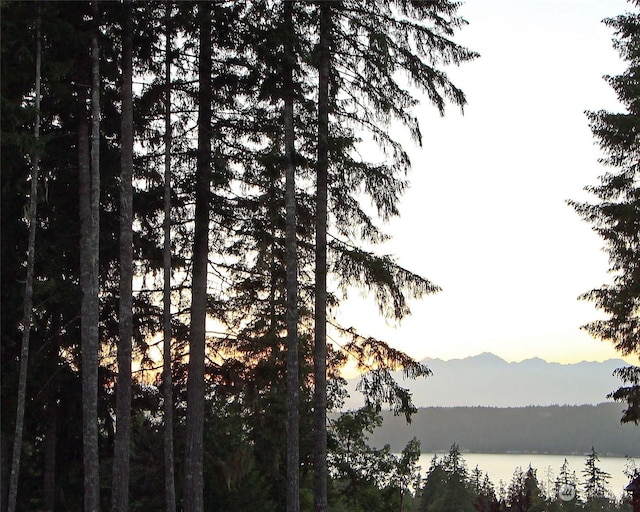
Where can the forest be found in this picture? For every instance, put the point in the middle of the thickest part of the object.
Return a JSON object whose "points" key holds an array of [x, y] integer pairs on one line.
{"points": [[450, 485], [189, 191], [552, 429]]}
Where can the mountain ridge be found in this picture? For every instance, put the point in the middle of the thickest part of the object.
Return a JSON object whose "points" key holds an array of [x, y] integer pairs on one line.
{"points": [[493, 357], [490, 381]]}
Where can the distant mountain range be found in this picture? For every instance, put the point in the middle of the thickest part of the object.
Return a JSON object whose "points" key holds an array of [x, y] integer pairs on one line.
{"points": [[487, 380]]}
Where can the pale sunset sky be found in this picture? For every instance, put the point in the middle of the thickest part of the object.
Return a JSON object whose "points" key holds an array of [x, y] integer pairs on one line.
{"points": [[486, 216]]}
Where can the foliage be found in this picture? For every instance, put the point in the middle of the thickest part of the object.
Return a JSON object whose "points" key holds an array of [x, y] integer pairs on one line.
{"points": [[616, 214], [629, 394], [366, 478], [595, 479], [475, 491], [447, 487], [524, 493], [244, 372]]}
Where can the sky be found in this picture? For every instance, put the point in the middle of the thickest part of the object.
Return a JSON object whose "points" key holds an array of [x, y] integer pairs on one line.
{"points": [[486, 216]]}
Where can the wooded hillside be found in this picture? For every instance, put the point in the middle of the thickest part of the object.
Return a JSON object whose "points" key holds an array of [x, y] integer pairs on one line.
{"points": [[553, 429]]}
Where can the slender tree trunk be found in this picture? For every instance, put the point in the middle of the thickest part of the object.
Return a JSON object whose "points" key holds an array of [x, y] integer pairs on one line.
{"points": [[84, 167], [89, 254], [193, 470], [320, 348], [28, 294], [51, 440], [293, 393], [51, 432], [167, 389], [274, 265], [120, 478], [5, 470], [84, 177]]}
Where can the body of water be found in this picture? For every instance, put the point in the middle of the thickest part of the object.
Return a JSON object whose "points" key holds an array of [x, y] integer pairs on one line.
{"points": [[501, 467]]}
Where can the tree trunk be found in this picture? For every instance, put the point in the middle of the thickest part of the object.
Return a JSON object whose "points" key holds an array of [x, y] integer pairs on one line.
{"points": [[51, 432], [51, 440], [320, 347], [194, 442], [5, 463], [274, 265], [293, 413], [28, 294], [167, 389], [89, 254], [120, 478]]}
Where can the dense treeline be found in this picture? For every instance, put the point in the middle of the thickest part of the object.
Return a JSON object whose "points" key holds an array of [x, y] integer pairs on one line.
{"points": [[449, 485], [552, 429], [204, 203]]}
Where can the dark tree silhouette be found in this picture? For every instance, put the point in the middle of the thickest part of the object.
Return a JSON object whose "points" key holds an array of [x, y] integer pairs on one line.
{"points": [[28, 294], [89, 163], [194, 441], [616, 214], [320, 347], [167, 380]]}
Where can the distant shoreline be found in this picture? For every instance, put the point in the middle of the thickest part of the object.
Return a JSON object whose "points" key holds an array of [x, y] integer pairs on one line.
{"points": [[569, 430], [551, 454]]}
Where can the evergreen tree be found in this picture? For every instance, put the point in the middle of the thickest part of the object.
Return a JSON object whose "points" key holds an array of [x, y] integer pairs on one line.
{"points": [[615, 216], [193, 493], [52, 422], [434, 483], [167, 331], [293, 379], [89, 260], [253, 91], [447, 487], [122, 442], [54, 337], [486, 499], [320, 335], [595, 479], [566, 481], [405, 476], [356, 65], [28, 294], [524, 493], [566, 476]]}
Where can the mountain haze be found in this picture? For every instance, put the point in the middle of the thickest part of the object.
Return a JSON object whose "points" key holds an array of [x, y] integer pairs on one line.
{"points": [[487, 380]]}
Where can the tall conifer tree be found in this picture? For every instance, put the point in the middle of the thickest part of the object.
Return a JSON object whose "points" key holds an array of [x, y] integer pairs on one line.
{"points": [[293, 392], [362, 49], [616, 214], [194, 442], [122, 444], [595, 479], [320, 340], [89, 279], [167, 379], [28, 294]]}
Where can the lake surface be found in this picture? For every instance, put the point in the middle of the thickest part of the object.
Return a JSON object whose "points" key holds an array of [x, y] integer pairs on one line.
{"points": [[501, 467]]}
